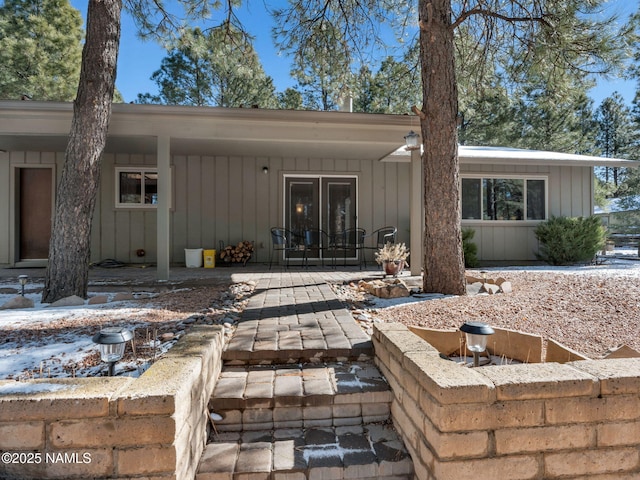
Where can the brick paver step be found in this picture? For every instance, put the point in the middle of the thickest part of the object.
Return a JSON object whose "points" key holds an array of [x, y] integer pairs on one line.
{"points": [[303, 395], [348, 452]]}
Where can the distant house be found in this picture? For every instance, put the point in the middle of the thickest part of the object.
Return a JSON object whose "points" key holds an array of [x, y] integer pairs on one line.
{"points": [[232, 174], [621, 216]]}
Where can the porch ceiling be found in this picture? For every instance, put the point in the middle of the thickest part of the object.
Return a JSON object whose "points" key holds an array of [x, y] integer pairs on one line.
{"points": [[44, 126]]}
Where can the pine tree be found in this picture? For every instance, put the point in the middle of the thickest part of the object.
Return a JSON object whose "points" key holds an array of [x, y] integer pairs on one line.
{"points": [[217, 68], [614, 135], [323, 73], [40, 49], [550, 114]]}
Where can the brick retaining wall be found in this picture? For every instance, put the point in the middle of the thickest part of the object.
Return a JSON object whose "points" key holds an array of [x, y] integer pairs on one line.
{"points": [[154, 426], [531, 421]]}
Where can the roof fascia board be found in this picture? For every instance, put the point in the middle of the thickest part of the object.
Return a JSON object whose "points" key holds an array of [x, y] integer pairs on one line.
{"points": [[54, 118]]}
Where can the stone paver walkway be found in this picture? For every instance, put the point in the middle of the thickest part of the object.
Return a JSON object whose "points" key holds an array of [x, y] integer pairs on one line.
{"points": [[296, 317], [299, 397]]}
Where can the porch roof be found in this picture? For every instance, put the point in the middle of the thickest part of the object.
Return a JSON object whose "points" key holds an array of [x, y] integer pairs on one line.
{"points": [[45, 126], [516, 156]]}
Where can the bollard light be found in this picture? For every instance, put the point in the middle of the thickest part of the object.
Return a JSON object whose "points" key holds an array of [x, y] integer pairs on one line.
{"points": [[23, 279], [476, 334], [112, 341]]}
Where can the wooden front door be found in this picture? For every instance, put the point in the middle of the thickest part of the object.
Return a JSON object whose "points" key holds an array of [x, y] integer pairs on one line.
{"points": [[35, 202]]}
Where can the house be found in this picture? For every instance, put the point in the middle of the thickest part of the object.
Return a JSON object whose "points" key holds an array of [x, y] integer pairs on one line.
{"points": [[621, 217], [178, 177]]}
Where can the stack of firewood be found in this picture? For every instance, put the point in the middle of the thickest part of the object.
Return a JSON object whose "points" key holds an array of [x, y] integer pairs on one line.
{"points": [[240, 253]]}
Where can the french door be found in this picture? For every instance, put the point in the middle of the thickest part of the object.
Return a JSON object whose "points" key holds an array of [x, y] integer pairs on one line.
{"points": [[320, 202]]}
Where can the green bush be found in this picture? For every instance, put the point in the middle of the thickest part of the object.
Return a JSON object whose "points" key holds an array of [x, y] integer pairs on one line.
{"points": [[565, 240], [469, 249]]}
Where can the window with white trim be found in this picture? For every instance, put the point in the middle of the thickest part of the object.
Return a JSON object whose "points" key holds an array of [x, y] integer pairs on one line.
{"points": [[504, 198], [136, 187]]}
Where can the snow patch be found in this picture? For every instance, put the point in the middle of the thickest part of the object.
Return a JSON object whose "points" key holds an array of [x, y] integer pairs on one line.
{"points": [[27, 388]]}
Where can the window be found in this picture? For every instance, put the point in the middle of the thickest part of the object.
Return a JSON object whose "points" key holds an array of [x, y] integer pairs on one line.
{"points": [[136, 187], [504, 198]]}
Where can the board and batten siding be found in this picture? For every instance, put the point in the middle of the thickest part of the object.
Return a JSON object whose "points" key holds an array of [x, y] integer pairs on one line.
{"points": [[118, 232], [569, 193], [229, 199]]}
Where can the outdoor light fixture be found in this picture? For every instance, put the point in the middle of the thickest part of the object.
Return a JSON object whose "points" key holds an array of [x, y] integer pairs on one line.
{"points": [[112, 341], [476, 334], [299, 208], [23, 279], [265, 170], [411, 140]]}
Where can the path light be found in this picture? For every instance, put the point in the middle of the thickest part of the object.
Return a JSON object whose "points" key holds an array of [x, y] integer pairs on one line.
{"points": [[112, 341], [411, 140], [476, 334], [23, 279]]}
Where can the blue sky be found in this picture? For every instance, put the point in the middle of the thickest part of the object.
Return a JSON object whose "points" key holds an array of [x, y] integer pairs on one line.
{"points": [[139, 59]]}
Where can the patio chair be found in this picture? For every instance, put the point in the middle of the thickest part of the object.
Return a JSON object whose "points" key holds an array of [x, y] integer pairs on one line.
{"points": [[351, 239], [381, 237], [282, 240], [315, 240]]}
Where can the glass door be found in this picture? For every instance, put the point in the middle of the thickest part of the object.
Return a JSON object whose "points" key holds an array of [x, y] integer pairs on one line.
{"points": [[301, 206], [320, 202], [339, 209]]}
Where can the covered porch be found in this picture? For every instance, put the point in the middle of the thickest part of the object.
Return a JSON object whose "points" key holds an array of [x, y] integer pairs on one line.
{"points": [[213, 175]]}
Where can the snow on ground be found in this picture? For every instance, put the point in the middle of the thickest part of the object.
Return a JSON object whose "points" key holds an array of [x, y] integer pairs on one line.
{"points": [[624, 262], [46, 342]]}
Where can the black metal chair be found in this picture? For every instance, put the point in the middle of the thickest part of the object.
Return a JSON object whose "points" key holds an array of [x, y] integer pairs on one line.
{"points": [[315, 240], [350, 240], [381, 237], [282, 240]]}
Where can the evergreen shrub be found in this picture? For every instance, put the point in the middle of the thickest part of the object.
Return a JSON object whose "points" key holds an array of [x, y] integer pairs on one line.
{"points": [[569, 240], [469, 249]]}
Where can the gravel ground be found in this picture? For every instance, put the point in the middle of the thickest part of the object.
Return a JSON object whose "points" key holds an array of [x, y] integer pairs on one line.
{"points": [[588, 313]]}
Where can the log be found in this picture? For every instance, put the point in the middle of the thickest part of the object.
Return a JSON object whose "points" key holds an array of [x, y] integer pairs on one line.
{"points": [[240, 253]]}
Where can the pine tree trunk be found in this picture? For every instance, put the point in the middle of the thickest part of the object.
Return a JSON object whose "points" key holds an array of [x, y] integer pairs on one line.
{"points": [[443, 259], [69, 249]]}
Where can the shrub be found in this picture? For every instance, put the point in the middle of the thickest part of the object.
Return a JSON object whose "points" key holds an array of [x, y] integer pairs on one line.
{"points": [[565, 240], [469, 249]]}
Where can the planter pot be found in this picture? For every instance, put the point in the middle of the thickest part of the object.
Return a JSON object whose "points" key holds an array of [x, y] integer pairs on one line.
{"points": [[393, 267]]}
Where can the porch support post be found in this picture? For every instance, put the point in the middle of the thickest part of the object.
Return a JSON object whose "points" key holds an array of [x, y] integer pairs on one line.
{"points": [[164, 204], [416, 217]]}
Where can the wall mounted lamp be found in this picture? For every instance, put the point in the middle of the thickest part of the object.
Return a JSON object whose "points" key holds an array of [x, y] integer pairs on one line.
{"points": [[411, 140]]}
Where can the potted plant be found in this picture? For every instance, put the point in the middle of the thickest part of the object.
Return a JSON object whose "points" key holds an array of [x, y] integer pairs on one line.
{"points": [[392, 257]]}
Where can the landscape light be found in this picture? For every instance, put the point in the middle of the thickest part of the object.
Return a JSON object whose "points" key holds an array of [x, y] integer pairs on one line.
{"points": [[476, 334], [112, 341], [23, 279]]}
